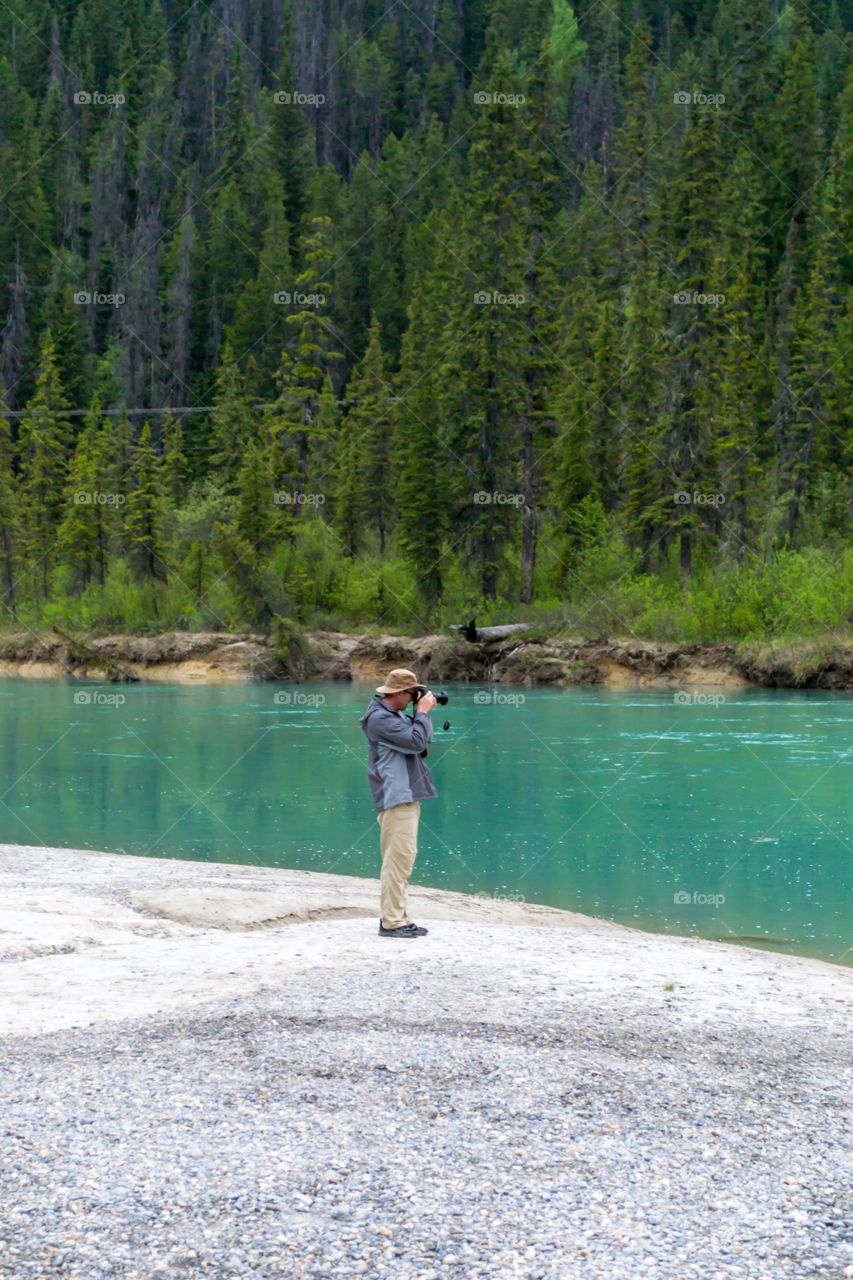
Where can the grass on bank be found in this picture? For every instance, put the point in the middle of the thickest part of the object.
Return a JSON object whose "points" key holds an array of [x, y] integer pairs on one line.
{"points": [[594, 590]]}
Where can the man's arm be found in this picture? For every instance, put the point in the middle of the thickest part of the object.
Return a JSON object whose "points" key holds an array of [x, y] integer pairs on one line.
{"points": [[409, 736]]}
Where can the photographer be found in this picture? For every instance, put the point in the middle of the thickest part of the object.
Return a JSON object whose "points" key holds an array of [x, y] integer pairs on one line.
{"points": [[399, 780]]}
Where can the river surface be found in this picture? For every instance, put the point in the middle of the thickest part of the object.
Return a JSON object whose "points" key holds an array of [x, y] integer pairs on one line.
{"points": [[725, 818]]}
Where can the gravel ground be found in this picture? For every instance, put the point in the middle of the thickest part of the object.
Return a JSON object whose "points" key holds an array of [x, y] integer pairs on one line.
{"points": [[372, 1121]]}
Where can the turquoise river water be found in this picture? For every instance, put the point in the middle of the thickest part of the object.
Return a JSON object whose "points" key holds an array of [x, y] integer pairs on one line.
{"points": [[723, 818]]}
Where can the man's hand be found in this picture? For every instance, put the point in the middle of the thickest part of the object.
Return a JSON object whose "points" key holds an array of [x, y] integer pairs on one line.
{"points": [[426, 703]]}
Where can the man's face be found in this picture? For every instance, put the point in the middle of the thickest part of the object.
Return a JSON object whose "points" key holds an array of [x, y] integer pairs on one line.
{"points": [[397, 701]]}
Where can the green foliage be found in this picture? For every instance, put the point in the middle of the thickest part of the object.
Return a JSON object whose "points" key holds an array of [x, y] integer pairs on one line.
{"points": [[363, 498], [287, 642], [382, 591], [43, 451], [121, 603], [800, 593], [143, 524], [450, 341], [564, 48], [89, 522]]}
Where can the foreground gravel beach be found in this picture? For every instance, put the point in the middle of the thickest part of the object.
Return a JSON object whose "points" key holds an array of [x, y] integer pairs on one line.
{"points": [[222, 1071]]}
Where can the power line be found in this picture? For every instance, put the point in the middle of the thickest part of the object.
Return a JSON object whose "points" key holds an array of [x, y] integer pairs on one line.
{"points": [[117, 413]]}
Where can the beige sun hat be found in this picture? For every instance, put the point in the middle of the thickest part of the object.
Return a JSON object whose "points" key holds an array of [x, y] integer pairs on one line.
{"points": [[400, 680]]}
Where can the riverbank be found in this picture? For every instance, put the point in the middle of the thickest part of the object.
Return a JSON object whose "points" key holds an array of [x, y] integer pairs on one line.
{"points": [[524, 658], [223, 1070]]}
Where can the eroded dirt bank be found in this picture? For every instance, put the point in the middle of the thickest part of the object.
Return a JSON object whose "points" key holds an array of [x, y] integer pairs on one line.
{"points": [[526, 659]]}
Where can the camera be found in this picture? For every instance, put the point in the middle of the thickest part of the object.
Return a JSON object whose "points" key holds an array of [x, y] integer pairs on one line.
{"points": [[441, 698]]}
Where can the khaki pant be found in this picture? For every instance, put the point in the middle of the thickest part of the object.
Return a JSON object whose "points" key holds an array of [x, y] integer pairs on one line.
{"points": [[398, 843]]}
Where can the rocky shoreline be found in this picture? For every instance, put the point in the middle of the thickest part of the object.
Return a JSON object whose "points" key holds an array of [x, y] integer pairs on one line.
{"points": [[221, 1070], [527, 658]]}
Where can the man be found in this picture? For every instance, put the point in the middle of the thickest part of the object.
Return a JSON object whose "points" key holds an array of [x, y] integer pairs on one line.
{"points": [[399, 780]]}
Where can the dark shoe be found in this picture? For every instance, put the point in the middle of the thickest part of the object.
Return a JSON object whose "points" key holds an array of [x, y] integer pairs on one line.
{"points": [[404, 931]]}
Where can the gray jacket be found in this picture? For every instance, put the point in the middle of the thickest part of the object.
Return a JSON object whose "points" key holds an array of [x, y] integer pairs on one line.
{"points": [[396, 769]]}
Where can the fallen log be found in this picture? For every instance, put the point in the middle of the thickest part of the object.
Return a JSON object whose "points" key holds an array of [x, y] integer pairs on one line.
{"points": [[483, 635]]}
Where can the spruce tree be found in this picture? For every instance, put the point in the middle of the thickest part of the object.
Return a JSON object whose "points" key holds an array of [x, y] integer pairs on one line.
{"points": [[10, 520], [260, 322], [174, 461], [296, 420], [143, 523], [692, 214], [87, 525], [363, 491], [487, 396], [234, 422], [419, 461], [43, 442]]}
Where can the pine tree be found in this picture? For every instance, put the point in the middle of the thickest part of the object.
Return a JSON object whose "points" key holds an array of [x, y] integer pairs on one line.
{"points": [[121, 454], [242, 566], [321, 463], [234, 421], [85, 532], [174, 461], [563, 51], [649, 483], [363, 491], [44, 434], [288, 138], [257, 514], [541, 330], [143, 526], [796, 161], [692, 214], [486, 395], [605, 376], [735, 379], [575, 477], [351, 508], [260, 321], [419, 462], [296, 419], [180, 302], [816, 360], [63, 318], [635, 151], [27, 227], [10, 520], [194, 573]]}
